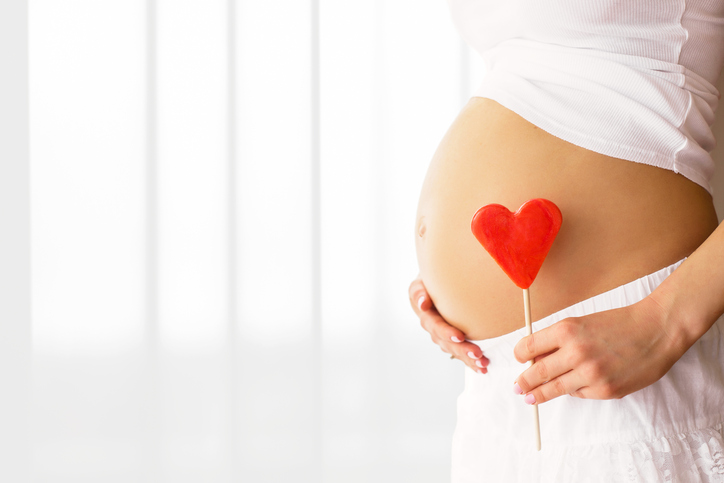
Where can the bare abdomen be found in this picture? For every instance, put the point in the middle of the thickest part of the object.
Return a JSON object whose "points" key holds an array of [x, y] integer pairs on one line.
{"points": [[621, 220]]}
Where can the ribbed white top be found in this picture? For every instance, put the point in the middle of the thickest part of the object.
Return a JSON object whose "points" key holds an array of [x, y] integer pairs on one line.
{"points": [[629, 79]]}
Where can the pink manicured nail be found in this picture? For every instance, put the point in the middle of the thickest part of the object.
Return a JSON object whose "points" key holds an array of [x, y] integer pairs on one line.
{"points": [[480, 372], [455, 339], [479, 364], [420, 301], [529, 399], [473, 356], [517, 389]]}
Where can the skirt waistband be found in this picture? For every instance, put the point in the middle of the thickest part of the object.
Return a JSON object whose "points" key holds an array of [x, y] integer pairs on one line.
{"points": [[690, 396], [500, 348]]}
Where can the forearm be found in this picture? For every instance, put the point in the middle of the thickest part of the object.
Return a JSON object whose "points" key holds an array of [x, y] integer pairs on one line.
{"points": [[692, 297]]}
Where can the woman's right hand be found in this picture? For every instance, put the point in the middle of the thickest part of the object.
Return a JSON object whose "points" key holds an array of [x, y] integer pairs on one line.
{"points": [[447, 337]]}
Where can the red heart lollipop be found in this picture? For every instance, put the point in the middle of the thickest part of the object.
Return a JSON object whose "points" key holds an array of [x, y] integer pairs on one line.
{"points": [[518, 242]]}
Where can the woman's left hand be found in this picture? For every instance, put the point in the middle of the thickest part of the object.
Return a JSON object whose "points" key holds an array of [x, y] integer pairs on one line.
{"points": [[604, 355]]}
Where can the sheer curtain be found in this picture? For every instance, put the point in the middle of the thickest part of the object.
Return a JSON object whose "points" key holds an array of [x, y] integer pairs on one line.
{"points": [[223, 197]]}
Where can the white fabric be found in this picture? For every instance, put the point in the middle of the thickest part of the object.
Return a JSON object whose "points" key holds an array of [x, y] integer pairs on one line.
{"points": [[633, 80], [670, 431]]}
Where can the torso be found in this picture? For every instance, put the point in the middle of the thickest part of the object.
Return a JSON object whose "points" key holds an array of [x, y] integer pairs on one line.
{"points": [[621, 219]]}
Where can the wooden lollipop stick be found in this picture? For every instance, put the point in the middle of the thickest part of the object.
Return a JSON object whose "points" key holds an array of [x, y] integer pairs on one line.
{"points": [[526, 304], [519, 242]]}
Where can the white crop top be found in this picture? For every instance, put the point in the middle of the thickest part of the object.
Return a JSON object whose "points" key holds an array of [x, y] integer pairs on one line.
{"points": [[632, 79]]}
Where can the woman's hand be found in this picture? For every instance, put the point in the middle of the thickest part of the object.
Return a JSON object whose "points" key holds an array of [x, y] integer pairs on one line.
{"points": [[447, 337], [605, 355]]}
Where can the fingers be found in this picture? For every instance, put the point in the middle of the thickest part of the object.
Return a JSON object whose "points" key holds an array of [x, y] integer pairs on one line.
{"points": [[432, 322], [452, 341], [543, 341], [471, 355], [419, 299], [544, 370], [563, 365], [448, 338], [551, 375], [430, 318], [548, 378], [466, 352], [565, 384]]}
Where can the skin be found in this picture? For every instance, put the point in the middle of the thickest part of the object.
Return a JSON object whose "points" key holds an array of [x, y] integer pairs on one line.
{"points": [[621, 221]]}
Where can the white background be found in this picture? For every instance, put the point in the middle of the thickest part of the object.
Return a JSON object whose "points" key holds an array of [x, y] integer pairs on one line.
{"points": [[220, 233], [222, 239]]}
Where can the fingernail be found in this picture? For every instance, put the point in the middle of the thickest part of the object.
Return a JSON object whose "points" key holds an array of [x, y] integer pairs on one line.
{"points": [[529, 399], [455, 339], [472, 355], [479, 364], [517, 389], [420, 301], [480, 371]]}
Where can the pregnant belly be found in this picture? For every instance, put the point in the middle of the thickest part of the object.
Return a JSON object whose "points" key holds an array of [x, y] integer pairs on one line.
{"points": [[621, 220]]}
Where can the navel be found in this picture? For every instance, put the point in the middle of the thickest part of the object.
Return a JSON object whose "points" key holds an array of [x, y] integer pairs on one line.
{"points": [[421, 227]]}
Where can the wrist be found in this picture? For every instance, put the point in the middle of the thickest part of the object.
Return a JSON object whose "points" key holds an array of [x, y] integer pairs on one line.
{"points": [[676, 316]]}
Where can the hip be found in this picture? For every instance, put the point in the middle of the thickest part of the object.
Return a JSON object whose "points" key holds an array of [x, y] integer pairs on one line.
{"points": [[678, 419]]}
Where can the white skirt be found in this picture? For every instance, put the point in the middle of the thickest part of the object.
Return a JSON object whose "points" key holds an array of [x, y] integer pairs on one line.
{"points": [[670, 431]]}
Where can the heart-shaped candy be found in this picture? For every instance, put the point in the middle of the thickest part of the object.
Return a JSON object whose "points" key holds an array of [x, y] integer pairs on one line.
{"points": [[520, 241]]}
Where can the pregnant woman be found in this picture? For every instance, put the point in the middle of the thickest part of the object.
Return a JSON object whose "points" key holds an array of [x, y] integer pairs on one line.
{"points": [[603, 107]]}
